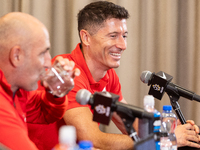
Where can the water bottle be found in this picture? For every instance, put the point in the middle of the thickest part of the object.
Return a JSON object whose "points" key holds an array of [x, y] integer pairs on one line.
{"points": [[145, 126], [168, 124], [67, 138], [85, 145]]}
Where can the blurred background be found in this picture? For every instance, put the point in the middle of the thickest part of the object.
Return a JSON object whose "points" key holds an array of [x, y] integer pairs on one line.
{"points": [[162, 36]]}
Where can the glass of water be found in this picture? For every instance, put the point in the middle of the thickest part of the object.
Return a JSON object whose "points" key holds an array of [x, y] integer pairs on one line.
{"points": [[58, 80]]}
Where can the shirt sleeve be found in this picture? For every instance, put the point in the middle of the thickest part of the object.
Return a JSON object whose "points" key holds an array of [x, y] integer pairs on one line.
{"points": [[42, 107]]}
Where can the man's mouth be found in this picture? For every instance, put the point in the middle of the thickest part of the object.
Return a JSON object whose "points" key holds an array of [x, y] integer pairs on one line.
{"points": [[116, 54]]}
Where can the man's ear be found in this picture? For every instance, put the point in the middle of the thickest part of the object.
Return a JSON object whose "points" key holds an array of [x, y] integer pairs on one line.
{"points": [[16, 56], [85, 37]]}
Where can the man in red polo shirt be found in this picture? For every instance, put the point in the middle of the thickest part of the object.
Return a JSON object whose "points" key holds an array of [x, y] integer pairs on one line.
{"points": [[103, 33], [24, 56]]}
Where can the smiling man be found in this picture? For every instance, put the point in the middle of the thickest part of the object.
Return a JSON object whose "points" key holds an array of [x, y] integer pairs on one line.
{"points": [[103, 33]]}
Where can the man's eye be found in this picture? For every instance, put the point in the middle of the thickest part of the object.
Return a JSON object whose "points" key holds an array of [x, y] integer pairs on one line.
{"points": [[113, 36], [125, 36]]}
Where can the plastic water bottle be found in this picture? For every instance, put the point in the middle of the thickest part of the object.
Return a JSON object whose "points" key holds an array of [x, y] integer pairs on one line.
{"points": [[168, 124], [85, 145], [144, 124], [67, 138], [149, 103]]}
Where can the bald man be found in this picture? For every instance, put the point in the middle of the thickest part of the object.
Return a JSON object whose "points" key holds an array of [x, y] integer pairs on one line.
{"points": [[24, 55]]}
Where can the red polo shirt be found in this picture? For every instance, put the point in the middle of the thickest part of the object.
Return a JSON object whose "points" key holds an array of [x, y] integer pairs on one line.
{"points": [[21, 107]]}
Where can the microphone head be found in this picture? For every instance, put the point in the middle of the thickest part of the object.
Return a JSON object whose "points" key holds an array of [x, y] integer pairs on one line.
{"points": [[145, 76], [83, 96]]}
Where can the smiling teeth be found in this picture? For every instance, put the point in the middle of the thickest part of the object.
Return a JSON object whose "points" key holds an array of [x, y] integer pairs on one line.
{"points": [[115, 54]]}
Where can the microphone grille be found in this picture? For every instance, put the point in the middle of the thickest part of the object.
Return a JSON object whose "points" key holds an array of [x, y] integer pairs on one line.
{"points": [[83, 96], [145, 76]]}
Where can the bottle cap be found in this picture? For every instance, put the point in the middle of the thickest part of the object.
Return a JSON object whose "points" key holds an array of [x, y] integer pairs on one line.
{"points": [[85, 144], [149, 100], [167, 107], [67, 135]]}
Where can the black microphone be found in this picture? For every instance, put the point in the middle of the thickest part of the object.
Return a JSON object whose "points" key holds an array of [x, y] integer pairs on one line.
{"points": [[84, 97], [100, 102], [161, 82], [104, 103]]}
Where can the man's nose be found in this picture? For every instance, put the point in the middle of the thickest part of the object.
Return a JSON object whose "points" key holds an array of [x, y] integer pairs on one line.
{"points": [[47, 60], [121, 43]]}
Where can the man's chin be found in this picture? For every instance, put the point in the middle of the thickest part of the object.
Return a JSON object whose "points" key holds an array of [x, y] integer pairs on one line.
{"points": [[116, 66]]}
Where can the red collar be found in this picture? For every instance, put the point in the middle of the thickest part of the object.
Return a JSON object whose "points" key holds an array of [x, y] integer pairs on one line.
{"points": [[79, 59]]}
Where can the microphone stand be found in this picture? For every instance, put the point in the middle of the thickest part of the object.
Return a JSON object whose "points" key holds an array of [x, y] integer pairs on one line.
{"points": [[174, 97], [128, 122], [140, 144]]}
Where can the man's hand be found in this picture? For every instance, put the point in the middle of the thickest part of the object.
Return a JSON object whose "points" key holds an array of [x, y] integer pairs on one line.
{"points": [[66, 65], [187, 134]]}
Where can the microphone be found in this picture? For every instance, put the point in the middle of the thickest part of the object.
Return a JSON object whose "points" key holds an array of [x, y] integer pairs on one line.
{"points": [[84, 97], [100, 102], [161, 82], [104, 103]]}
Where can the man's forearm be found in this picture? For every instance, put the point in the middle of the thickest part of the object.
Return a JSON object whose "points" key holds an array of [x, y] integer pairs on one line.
{"points": [[107, 141]]}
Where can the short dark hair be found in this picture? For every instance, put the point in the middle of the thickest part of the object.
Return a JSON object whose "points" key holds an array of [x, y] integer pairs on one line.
{"points": [[94, 14]]}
